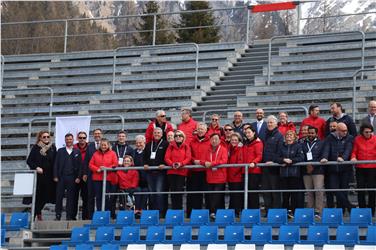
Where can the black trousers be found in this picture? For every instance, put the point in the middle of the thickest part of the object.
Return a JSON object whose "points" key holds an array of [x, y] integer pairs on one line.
{"points": [[254, 182], [83, 192], [196, 182], [290, 200], [271, 182], [340, 180], [329, 195], [91, 196], [176, 183], [366, 178], [236, 199], [66, 183], [216, 200]]}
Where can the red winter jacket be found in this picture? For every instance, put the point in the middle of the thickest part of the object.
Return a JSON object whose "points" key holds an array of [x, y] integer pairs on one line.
{"points": [[198, 150], [107, 159], [175, 154], [252, 153], [225, 143], [82, 150], [127, 179], [236, 157], [283, 128], [152, 126], [216, 157], [316, 122], [216, 130], [364, 149], [188, 128]]}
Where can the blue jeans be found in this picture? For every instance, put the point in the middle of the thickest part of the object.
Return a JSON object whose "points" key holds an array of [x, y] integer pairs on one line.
{"points": [[98, 190], [156, 183]]}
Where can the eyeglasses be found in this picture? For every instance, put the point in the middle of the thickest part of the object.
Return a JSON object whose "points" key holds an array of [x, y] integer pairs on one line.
{"points": [[367, 132], [178, 136], [228, 129], [46, 137], [82, 138]]}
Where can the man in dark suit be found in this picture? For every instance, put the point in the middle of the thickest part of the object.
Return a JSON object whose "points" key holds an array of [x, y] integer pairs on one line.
{"points": [[91, 148], [371, 117], [67, 174], [260, 124]]}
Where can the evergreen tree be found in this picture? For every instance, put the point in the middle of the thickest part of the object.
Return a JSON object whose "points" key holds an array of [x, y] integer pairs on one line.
{"points": [[162, 37], [198, 35]]}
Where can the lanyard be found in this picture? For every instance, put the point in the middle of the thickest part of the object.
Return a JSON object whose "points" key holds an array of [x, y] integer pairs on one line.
{"points": [[117, 150], [310, 148], [216, 154], [151, 146]]}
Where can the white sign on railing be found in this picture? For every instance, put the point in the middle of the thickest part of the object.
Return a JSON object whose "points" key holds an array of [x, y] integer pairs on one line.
{"points": [[23, 184]]}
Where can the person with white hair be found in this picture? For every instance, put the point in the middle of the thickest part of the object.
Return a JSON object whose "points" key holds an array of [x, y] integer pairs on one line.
{"points": [[160, 121], [188, 125]]}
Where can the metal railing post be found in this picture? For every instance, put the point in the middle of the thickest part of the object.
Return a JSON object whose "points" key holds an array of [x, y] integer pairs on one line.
{"points": [[196, 69], [154, 28], [354, 88], [33, 199], [104, 189], [2, 70], [65, 35], [246, 180], [299, 15], [247, 31], [113, 73]]}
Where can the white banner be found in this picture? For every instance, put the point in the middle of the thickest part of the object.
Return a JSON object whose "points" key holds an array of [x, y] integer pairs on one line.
{"points": [[70, 124]]}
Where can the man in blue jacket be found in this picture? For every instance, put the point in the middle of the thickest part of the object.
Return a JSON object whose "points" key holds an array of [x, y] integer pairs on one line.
{"points": [[67, 174], [338, 147], [338, 115]]}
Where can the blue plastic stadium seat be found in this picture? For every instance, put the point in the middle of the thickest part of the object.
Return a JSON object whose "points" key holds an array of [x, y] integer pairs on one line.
{"points": [[3, 220], [104, 235], [79, 235], [304, 217], [317, 235], [199, 217], [174, 217], [110, 247], [3, 233], [250, 217], [84, 247], [371, 236], [276, 217], [233, 235], [17, 221], [59, 247], [149, 218], [288, 235], [181, 235], [332, 217], [207, 235], [129, 235], [261, 235], [124, 218], [361, 217], [155, 235], [346, 235], [100, 218], [224, 217]]}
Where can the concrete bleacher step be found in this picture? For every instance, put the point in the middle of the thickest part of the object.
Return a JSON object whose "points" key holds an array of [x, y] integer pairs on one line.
{"points": [[243, 72]]}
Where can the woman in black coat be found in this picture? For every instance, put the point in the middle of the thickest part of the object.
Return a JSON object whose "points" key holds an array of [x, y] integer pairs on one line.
{"points": [[41, 159]]}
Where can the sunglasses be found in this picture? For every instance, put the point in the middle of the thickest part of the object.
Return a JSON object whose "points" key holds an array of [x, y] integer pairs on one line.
{"points": [[45, 137], [178, 136], [162, 116], [214, 119], [228, 129], [82, 138]]}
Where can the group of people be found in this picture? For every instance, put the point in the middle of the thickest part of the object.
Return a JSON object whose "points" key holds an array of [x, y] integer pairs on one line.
{"points": [[77, 169]]}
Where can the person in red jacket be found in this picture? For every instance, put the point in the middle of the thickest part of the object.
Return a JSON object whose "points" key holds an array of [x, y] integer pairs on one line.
{"points": [[160, 121], [314, 120], [234, 174], [196, 180], [188, 125], [178, 155], [284, 124], [215, 126], [128, 181], [252, 154], [216, 177], [225, 140], [104, 157], [365, 149]]}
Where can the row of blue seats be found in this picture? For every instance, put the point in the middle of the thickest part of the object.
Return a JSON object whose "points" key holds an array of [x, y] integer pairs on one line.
{"points": [[17, 221], [332, 217], [233, 234]]}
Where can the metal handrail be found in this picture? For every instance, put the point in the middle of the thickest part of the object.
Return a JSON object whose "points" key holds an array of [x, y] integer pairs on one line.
{"points": [[146, 47], [354, 87], [306, 36], [287, 108], [2, 70], [245, 165], [37, 88], [94, 117], [33, 195]]}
